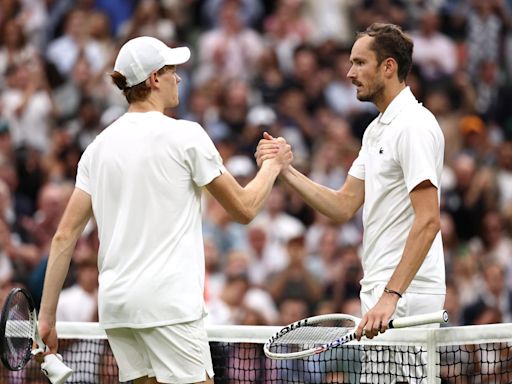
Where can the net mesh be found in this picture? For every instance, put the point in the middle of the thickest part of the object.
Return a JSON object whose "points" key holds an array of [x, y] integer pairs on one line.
{"points": [[480, 354]]}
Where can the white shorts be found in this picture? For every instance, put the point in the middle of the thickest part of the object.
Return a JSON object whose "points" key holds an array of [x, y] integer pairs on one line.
{"points": [[176, 354], [402, 364]]}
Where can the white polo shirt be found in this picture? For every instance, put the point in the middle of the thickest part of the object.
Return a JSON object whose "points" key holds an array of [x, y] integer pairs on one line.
{"points": [[401, 148], [144, 174]]}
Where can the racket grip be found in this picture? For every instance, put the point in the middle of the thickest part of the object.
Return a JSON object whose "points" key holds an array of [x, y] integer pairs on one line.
{"points": [[427, 318], [55, 370]]}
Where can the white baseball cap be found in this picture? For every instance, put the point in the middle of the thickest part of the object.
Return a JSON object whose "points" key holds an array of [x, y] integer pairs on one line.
{"points": [[140, 56]]}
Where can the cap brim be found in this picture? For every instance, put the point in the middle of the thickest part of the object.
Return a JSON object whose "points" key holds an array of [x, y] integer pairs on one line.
{"points": [[176, 56]]}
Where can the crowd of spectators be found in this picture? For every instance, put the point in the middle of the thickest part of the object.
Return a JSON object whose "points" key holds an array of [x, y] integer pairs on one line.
{"points": [[260, 65]]}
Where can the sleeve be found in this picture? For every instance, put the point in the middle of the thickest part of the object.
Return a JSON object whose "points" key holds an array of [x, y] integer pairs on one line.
{"points": [[418, 150], [357, 169], [82, 175], [203, 159]]}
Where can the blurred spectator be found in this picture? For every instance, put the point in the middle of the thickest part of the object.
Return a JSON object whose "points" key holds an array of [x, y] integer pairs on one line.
{"points": [[293, 309], [279, 228], [483, 36], [218, 226], [76, 41], [149, 19], [466, 202], [475, 140], [286, 28], [80, 302], [384, 11], [230, 50], [493, 294], [331, 20], [100, 31], [14, 48], [52, 200], [504, 175], [228, 307], [295, 280], [28, 106], [497, 243], [452, 305], [249, 12], [323, 262], [434, 53], [349, 271], [438, 101]]}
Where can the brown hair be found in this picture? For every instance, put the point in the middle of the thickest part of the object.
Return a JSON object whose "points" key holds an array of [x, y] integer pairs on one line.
{"points": [[390, 41], [137, 92]]}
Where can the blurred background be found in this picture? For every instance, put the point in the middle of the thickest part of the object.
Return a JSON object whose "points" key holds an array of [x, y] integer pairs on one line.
{"points": [[260, 65]]}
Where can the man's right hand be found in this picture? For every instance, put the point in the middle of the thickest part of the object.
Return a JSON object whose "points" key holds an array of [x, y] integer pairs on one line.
{"points": [[277, 150]]}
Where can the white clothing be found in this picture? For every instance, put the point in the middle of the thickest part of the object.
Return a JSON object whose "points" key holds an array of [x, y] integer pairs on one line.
{"points": [[144, 174], [436, 55], [279, 229], [32, 127], [65, 51], [178, 353], [75, 304], [401, 148]]}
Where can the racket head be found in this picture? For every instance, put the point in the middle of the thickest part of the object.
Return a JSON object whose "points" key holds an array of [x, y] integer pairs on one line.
{"points": [[17, 328], [311, 336]]}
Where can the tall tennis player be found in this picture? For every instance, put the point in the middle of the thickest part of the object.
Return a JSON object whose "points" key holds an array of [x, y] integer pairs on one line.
{"points": [[396, 178], [142, 179]]}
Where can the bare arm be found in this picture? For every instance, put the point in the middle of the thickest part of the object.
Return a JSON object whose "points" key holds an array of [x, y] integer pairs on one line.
{"points": [[424, 229], [244, 203], [77, 214], [339, 205]]}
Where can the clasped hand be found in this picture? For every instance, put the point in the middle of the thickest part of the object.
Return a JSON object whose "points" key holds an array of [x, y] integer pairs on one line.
{"points": [[273, 149]]}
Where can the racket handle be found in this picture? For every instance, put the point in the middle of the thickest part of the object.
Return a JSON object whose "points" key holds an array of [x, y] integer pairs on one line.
{"points": [[55, 370], [427, 318]]}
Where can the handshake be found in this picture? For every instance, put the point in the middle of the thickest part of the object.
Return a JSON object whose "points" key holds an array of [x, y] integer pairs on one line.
{"points": [[275, 150]]}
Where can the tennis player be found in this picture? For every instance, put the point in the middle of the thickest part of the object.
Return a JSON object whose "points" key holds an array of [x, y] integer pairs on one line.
{"points": [[397, 178], [141, 179]]}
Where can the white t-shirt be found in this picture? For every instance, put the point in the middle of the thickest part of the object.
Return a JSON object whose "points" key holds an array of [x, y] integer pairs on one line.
{"points": [[144, 174], [33, 126], [401, 148]]}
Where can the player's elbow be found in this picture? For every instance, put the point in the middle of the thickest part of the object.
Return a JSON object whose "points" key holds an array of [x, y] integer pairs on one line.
{"points": [[243, 215], [62, 236], [431, 225]]}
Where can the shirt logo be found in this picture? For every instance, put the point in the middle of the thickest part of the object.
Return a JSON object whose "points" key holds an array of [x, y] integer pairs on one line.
{"points": [[381, 151]]}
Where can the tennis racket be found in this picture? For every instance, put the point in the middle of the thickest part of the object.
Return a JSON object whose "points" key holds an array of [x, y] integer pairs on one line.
{"points": [[313, 335], [19, 332]]}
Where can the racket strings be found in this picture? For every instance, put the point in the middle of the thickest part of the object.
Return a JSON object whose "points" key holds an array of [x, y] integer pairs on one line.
{"points": [[313, 335], [19, 330]]}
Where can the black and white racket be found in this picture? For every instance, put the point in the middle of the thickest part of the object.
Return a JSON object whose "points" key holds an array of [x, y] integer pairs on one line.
{"points": [[19, 333], [313, 335]]}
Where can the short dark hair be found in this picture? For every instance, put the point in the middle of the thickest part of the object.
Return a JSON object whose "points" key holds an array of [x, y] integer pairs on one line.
{"points": [[391, 41], [137, 92]]}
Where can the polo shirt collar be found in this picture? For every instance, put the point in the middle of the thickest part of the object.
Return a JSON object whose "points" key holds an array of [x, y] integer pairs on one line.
{"points": [[404, 98]]}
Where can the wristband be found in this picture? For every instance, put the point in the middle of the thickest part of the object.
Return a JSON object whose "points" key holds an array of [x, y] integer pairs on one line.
{"points": [[387, 290]]}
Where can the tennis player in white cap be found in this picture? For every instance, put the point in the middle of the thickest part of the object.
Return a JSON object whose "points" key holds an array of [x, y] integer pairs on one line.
{"points": [[141, 179]]}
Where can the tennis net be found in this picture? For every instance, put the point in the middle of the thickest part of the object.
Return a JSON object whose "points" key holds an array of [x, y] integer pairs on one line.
{"points": [[459, 355]]}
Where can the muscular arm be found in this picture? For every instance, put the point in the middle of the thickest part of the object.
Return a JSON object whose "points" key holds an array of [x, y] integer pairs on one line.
{"points": [[338, 205], [424, 229], [76, 216], [244, 203]]}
